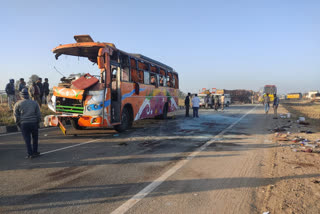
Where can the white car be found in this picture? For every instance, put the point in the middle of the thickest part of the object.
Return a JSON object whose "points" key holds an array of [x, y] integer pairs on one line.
{"points": [[227, 99]]}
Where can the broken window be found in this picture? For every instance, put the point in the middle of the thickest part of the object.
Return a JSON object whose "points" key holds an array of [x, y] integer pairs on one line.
{"points": [[141, 79], [176, 81], [153, 79], [125, 74], [169, 80], [114, 56], [146, 77]]}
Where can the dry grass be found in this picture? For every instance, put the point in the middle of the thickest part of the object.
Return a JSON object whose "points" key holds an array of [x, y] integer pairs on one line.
{"points": [[6, 116]]}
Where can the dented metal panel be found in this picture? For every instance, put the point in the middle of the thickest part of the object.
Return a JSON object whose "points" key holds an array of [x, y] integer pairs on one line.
{"points": [[68, 93]]}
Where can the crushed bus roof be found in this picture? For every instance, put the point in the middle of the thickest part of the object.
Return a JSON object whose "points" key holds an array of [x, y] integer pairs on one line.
{"points": [[86, 47]]}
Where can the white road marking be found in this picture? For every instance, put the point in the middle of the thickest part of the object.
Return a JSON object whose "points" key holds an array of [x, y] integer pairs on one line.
{"points": [[13, 133], [148, 189], [68, 147]]}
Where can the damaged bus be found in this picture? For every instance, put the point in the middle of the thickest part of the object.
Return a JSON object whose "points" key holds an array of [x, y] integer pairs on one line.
{"points": [[130, 87]]}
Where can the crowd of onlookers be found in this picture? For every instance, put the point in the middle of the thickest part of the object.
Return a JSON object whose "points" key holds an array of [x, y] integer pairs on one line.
{"points": [[37, 90]]}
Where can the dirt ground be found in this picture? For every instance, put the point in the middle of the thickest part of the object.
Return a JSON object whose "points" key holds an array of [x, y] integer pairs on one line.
{"points": [[295, 163]]}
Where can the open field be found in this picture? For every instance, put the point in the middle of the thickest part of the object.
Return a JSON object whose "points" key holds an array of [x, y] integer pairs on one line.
{"points": [[6, 116], [311, 111]]}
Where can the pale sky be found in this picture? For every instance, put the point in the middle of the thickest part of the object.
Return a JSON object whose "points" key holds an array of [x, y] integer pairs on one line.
{"points": [[211, 44]]}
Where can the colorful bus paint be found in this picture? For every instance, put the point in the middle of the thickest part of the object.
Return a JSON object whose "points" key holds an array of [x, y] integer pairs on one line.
{"points": [[131, 87]]}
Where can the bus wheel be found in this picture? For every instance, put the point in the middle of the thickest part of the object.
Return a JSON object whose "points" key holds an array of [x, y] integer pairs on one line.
{"points": [[74, 123], [164, 115], [126, 122]]}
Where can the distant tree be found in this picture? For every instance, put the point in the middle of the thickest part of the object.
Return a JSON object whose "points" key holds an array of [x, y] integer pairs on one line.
{"points": [[32, 79], [181, 94]]}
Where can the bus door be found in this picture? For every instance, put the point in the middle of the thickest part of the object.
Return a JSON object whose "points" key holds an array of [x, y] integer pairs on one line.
{"points": [[115, 93]]}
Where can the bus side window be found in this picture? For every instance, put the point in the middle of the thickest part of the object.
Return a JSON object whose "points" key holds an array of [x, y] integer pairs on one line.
{"points": [[176, 81], [125, 74], [146, 77], [161, 80], [169, 80], [153, 79], [114, 78], [173, 83], [141, 77], [164, 81], [134, 75]]}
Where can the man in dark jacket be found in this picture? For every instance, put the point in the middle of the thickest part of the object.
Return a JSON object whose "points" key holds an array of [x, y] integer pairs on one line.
{"points": [[46, 90], [27, 116], [187, 104], [11, 93], [39, 84], [22, 84]]}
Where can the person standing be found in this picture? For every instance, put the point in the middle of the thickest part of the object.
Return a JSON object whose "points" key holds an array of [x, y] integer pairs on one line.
{"points": [[210, 101], [11, 93], [46, 90], [187, 104], [195, 105], [213, 104], [222, 101], [39, 84], [34, 93], [27, 116], [216, 102], [206, 101], [266, 102], [22, 84], [275, 106]]}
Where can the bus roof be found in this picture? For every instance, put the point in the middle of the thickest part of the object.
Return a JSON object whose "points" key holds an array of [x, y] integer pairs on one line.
{"points": [[86, 47]]}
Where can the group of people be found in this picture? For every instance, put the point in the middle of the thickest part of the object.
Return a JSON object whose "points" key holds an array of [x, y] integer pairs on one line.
{"points": [[267, 102], [195, 105], [214, 101], [38, 91], [26, 111], [209, 101]]}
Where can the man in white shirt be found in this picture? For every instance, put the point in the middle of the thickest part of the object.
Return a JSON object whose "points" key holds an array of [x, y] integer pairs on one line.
{"points": [[195, 105]]}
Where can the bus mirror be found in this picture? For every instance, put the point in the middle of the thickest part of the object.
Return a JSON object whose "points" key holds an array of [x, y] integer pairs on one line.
{"points": [[136, 88]]}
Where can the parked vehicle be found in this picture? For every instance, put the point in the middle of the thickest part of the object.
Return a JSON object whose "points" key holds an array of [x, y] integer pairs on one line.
{"points": [[311, 93], [271, 90], [294, 96]]}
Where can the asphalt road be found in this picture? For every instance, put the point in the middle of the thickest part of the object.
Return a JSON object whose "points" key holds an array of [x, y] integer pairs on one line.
{"points": [[211, 164]]}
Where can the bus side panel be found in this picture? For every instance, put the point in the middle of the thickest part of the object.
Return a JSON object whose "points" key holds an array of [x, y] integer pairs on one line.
{"points": [[172, 99], [150, 101]]}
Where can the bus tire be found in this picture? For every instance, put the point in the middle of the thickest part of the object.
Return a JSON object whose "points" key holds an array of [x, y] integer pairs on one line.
{"points": [[164, 115], [126, 121], [74, 123], [228, 104]]}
